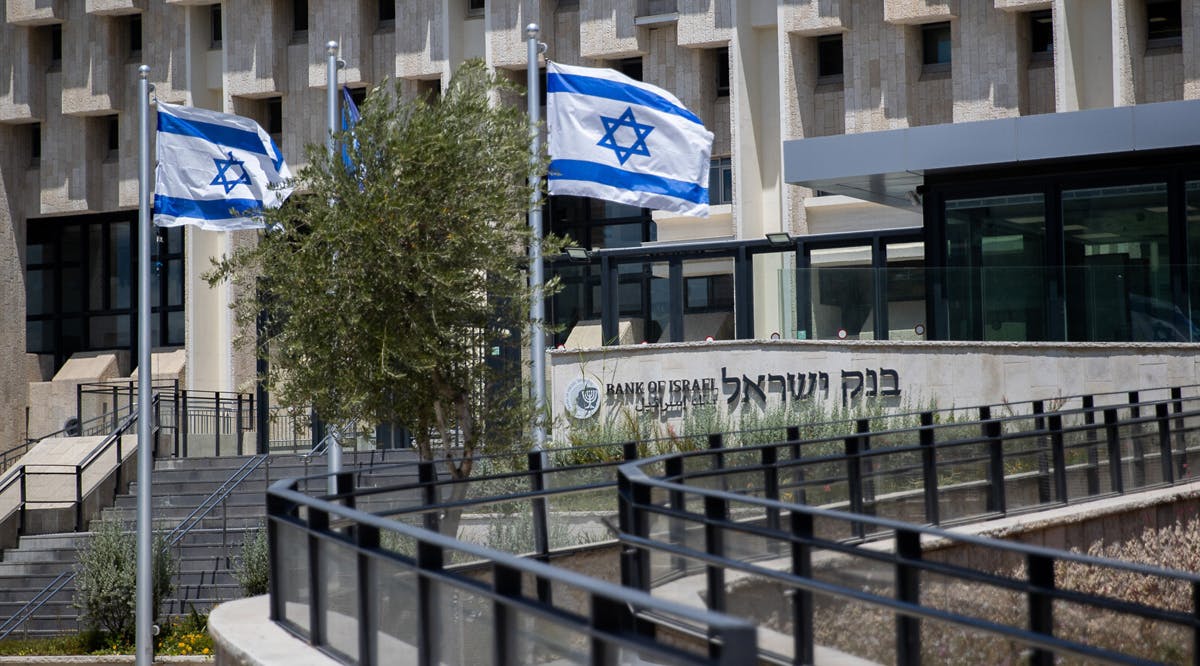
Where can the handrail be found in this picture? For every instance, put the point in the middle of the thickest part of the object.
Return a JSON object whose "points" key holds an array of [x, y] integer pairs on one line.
{"points": [[1137, 434], [176, 535], [617, 611], [219, 495]]}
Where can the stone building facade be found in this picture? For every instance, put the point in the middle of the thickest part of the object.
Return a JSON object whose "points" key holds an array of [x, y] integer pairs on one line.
{"points": [[758, 72]]}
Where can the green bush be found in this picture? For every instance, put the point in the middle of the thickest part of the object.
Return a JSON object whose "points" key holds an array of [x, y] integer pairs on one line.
{"points": [[253, 571], [106, 579]]}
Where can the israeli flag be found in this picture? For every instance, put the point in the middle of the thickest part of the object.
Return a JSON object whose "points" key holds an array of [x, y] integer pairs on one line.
{"points": [[622, 140], [215, 170]]}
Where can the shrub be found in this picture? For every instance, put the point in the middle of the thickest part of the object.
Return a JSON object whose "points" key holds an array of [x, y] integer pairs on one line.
{"points": [[253, 572], [106, 579]]}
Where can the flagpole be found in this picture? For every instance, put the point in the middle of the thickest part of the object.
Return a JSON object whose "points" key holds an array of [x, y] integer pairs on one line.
{"points": [[144, 608], [333, 450], [537, 310]]}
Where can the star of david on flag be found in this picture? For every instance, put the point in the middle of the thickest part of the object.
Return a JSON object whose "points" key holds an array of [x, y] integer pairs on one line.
{"points": [[215, 170], [614, 138]]}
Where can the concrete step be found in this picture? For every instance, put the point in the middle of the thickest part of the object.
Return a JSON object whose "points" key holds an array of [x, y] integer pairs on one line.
{"points": [[18, 555], [29, 569], [58, 540]]}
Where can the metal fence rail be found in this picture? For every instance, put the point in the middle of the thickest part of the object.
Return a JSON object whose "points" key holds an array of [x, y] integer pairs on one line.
{"points": [[705, 515], [368, 590], [744, 503]]}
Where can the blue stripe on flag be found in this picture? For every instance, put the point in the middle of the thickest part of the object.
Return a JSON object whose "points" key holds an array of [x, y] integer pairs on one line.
{"points": [[627, 180], [589, 85], [205, 209], [229, 137]]}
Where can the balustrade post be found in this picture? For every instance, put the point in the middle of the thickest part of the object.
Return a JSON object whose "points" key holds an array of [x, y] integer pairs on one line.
{"points": [[238, 426], [1112, 436], [367, 539], [929, 468], [430, 559], [793, 435], [676, 529], [1041, 604], [217, 423], [1059, 455], [804, 641], [1043, 464], [427, 477], [116, 410], [21, 511], [1161, 416], [908, 589], [716, 510], [1139, 448], [1093, 450], [863, 427], [1180, 432], [184, 419], [541, 522], [854, 483], [997, 496], [78, 498]]}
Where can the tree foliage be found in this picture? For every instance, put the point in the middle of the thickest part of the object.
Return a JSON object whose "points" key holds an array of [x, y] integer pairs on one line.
{"points": [[387, 286]]}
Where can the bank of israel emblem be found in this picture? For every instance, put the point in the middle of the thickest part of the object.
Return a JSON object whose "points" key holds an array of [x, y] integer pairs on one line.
{"points": [[582, 399]]}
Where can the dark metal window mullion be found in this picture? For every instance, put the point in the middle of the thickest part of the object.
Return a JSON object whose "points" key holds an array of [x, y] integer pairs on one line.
{"points": [[879, 275], [1056, 268], [676, 298]]}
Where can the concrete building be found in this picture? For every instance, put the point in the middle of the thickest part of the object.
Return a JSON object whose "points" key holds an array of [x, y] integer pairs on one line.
{"points": [[766, 76]]}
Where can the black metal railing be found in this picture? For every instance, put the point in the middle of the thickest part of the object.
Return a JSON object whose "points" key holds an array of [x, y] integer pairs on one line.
{"points": [[202, 423], [734, 502], [368, 590], [761, 512]]}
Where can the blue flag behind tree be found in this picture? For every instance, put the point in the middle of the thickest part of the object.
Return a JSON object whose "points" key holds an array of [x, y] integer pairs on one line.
{"points": [[350, 118]]}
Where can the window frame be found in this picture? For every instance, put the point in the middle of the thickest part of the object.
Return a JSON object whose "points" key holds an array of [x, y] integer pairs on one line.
{"points": [[931, 62]]}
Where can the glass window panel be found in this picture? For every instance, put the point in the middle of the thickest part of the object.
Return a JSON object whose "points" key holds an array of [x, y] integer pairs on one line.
{"points": [[109, 331], [97, 281], [1193, 229], [39, 292], [657, 327], [72, 289], [1118, 283], [708, 304], [39, 250], [72, 339], [175, 282], [39, 337], [120, 256], [843, 293], [905, 283], [175, 328], [175, 240], [995, 280]]}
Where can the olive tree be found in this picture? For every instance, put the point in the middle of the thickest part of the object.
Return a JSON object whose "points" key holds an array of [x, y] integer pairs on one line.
{"points": [[387, 285]]}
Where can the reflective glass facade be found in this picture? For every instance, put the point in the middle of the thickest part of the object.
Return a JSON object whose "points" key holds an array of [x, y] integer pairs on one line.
{"points": [[80, 285]]}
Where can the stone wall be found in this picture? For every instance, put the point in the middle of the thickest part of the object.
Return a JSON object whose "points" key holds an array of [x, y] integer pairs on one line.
{"points": [[663, 383]]}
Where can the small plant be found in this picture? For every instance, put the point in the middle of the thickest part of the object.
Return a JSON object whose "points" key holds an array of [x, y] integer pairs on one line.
{"points": [[254, 565], [106, 579]]}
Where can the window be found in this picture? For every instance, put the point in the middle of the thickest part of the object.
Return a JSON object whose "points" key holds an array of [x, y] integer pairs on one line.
{"points": [[1164, 23], [80, 284], [720, 181], [275, 119], [112, 133], [214, 27], [56, 47], [299, 20], [35, 144], [134, 35], [429, 90], [721, 67], [475, 7], [935, 46], [386, 13], [1041, 35], [829, 58], [631, 67], [657, 7]]}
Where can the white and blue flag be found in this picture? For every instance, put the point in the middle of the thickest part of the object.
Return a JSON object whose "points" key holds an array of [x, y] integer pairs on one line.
{"points": [[215, 170], [622, 140]]}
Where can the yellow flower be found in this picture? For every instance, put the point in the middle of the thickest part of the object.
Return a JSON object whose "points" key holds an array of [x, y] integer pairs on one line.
{"points": [[205, 650]]}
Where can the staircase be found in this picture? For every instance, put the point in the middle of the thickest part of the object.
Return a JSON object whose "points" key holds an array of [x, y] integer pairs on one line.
{"points": [[205, 556]]}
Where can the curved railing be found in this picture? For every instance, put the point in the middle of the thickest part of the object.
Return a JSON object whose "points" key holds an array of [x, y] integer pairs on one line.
{"points": [[740, 503]]}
